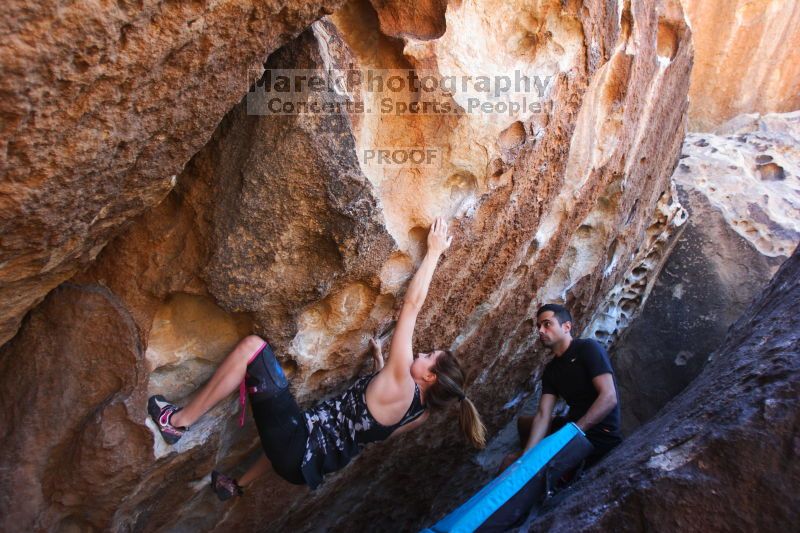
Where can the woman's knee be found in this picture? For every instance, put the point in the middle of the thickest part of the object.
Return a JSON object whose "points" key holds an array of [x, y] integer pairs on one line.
{"points": [[250, 344]]}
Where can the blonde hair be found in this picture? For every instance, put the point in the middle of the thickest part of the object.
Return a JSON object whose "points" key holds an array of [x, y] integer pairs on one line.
{"points": [[448, 387]]}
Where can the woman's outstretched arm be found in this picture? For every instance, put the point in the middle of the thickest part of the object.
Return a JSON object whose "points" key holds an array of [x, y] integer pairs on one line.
{"points": [[400, 352]]}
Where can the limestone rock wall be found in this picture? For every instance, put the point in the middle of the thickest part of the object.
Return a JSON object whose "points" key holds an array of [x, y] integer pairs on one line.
{"points": [[102, 106], [280, 226], [746, 59]]}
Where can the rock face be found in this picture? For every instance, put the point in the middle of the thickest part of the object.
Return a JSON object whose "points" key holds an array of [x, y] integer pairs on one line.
{"points": [[759, 198], [742, 225], [721, 456], [101, 108], [284, 226], [90, 382], [746, 59], [625, 301]]}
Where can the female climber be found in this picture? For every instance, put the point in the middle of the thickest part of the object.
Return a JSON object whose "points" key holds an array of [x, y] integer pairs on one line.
{"points": [[303, 446]]}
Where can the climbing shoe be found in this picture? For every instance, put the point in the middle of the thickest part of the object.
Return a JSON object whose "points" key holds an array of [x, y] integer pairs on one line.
{"points": [[161, 411], [224, 487]]}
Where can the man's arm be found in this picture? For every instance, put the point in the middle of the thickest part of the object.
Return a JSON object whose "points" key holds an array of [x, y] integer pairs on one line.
{"points": [[604, 403], [541, 421]]}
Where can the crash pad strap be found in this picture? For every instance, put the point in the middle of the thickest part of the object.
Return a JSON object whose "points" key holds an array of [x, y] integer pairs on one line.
{"points": [[490, 498]]}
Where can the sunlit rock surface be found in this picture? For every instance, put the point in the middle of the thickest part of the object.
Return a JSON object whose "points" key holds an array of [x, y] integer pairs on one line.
{"points": [[745, 61], [759, 197], [282, 227], [102, 106], [721, 456]]}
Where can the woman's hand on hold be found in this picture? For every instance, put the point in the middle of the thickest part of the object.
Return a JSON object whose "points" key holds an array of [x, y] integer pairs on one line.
{"points": [[438, 240], [377, 353]]}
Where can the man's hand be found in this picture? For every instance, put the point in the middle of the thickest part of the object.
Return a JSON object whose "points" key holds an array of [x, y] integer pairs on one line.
{"points": [[377, 354]]}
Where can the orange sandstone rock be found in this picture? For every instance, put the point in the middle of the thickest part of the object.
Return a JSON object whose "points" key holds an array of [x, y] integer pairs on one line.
{"points": [[102, 106], [746, 59]]}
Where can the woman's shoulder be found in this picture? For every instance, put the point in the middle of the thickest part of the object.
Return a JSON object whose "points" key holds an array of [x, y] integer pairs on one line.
{"points": [[389, 383], [385, 389]]}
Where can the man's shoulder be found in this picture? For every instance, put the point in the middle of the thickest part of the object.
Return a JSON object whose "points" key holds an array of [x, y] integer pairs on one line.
{"points": [[594, 357], [588, 345], [590, 350]]}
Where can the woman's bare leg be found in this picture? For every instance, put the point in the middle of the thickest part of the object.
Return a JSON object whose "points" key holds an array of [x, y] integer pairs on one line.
{"points": [[224, 381], [259, 468]]}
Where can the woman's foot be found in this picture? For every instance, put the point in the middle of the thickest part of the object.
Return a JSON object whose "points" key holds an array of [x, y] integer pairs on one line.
{"points": [[224, 487], [161, 412]]}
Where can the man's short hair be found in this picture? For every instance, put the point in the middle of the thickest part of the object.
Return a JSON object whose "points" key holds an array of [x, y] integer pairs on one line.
{"points": [[559, 311]]}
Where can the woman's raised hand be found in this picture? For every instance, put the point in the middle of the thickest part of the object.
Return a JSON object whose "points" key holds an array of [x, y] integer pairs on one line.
{"points": [[438, 241]]}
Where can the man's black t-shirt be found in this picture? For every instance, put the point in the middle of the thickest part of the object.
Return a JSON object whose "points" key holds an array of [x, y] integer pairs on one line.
{"points": [[570, 376]]}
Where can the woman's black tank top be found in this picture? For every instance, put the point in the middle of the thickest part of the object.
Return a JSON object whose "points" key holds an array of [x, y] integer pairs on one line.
{"points": [[339, 428]]}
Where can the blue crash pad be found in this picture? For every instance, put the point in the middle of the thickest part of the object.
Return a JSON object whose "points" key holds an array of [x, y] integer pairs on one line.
{"points": [[490, 498]]}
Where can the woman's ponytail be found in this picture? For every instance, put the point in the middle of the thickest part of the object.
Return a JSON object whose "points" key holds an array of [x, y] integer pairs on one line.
{"points": [[449, 386], [471, 424]]}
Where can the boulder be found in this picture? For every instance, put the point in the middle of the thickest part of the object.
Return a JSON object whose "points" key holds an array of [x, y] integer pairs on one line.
{"points": [[102, 106], [69, 402], [740, 228]]}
